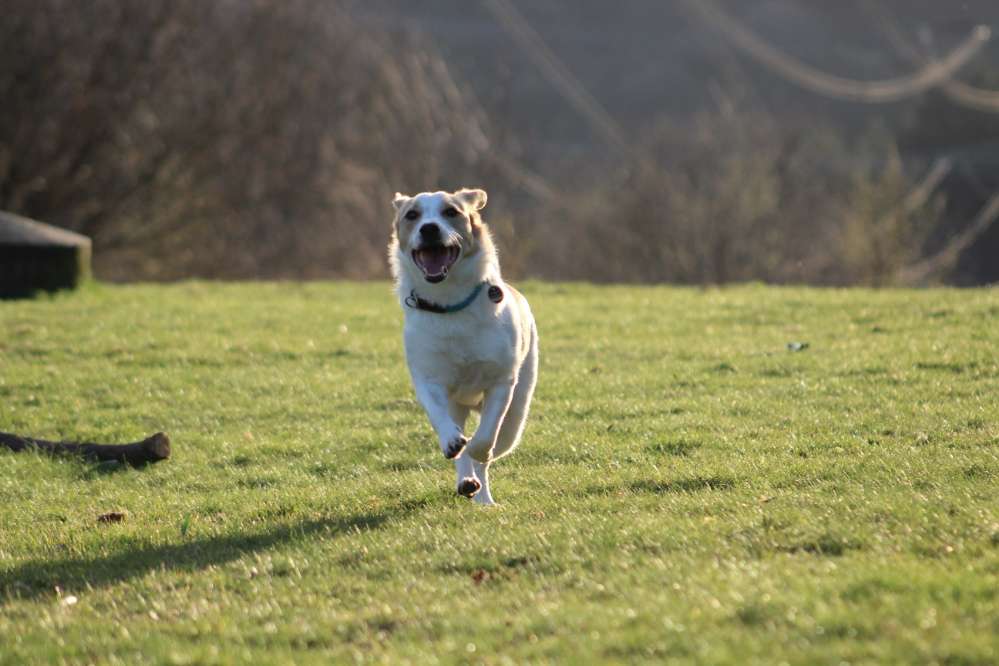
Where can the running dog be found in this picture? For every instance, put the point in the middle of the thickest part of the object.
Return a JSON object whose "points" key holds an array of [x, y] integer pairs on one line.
{"points": [[470, 338]]}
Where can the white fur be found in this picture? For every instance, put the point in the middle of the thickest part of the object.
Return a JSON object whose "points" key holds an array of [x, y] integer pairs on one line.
{"points": [[482, 358]]}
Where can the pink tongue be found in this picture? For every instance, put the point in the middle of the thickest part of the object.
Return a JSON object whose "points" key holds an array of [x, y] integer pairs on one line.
{"points": [[434, 260]]}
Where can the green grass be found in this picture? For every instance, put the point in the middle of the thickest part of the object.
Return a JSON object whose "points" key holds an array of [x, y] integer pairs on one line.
{"points": [[688, 488]]}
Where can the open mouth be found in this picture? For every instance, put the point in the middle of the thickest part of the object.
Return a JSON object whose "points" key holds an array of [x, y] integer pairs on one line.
{"points": [[436, 260]]}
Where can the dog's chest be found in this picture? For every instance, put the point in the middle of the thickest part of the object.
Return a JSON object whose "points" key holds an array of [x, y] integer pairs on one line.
{"points": [[466, 354]]}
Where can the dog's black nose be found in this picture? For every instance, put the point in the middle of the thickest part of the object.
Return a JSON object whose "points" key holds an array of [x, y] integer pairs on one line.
{"points": [[430, 233]]}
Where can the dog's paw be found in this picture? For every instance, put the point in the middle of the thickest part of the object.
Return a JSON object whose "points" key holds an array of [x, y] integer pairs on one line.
{"points": [[469, 486], [455, 446]]}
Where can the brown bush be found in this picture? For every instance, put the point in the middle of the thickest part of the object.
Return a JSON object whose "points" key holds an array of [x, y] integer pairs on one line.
{"points": [[736, 197], [236, 138], [878, 236]]}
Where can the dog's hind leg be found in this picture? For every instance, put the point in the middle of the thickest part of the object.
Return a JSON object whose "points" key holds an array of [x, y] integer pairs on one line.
{"points": [[511, 426], [482, 474], [510, 430], [466, 483], [516, 415], [494, 408]]}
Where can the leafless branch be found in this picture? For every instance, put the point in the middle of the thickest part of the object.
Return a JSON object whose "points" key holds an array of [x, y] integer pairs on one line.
{"points": [[922, 271]]}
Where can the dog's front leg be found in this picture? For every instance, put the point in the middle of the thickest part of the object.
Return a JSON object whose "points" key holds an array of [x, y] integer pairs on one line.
{"points": [[494, 407], [433, 397]]}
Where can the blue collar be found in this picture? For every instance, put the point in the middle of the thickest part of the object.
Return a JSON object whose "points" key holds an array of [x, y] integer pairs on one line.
{"points": [[418, 303]]}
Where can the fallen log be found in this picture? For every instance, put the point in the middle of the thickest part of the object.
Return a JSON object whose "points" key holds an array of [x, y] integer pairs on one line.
{"points": [[152, 449]]}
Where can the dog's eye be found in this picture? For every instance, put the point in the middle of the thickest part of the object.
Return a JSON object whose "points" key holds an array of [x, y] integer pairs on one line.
{"points": [[412, 214], [450, 211]]}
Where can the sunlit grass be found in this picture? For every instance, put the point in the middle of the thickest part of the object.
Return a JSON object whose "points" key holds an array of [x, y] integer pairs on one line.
{"points": [[689, 488]]}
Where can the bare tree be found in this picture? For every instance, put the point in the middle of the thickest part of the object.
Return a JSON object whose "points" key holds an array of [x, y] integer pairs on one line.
{"points": [[233, 138]]}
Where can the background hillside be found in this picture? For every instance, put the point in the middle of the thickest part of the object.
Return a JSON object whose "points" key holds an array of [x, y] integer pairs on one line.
{"points": [[239, 139], [644, 58], [652, 62]]}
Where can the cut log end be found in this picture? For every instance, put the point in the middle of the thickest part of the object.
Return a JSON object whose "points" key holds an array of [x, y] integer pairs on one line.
{"points": [[157, 446]]}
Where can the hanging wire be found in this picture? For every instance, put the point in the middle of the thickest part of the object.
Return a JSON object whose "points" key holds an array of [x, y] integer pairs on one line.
{"points": [[958, 92], [558, 75], [815, 80]]}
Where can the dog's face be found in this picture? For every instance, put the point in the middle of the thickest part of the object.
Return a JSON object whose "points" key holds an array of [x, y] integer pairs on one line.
{"points": [[435, 231]]}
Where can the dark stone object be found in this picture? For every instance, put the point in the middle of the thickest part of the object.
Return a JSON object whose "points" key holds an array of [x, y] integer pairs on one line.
{"points": [[39, 257]]}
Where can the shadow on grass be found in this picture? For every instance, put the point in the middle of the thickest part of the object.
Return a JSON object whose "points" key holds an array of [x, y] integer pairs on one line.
{"points": [[688, 485], [39, 578], [662, 487]]}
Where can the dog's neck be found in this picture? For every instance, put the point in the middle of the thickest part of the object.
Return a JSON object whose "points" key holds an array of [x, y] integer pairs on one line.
{"points": [[482, 266]]}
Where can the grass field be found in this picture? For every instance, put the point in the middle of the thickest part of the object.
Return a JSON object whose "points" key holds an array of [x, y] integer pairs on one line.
{"points": [[689, 488]]}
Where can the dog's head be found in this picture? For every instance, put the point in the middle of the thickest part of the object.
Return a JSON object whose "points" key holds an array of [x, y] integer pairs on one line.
{"points": [[436, 231]]}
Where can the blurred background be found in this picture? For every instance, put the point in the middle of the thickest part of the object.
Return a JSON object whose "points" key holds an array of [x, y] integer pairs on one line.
{"points": [[686, 141]]}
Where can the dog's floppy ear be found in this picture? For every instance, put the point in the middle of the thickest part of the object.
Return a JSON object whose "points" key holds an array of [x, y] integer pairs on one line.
{"points": [[475, 199], [400, 200]]}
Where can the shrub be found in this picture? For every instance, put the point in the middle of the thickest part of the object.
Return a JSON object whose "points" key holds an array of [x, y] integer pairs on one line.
{"points": [[740, 196], [235, 138]]}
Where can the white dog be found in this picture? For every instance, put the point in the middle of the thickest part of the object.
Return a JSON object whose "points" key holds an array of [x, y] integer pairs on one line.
{"points": [[470, 338]]}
